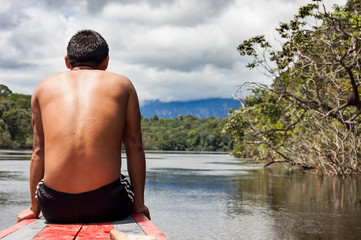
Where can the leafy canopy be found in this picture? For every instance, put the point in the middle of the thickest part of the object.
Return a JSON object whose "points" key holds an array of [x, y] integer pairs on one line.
{"points": [[310, 115]]}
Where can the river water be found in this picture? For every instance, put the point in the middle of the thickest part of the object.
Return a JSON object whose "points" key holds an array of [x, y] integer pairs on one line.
{"points": [[215, 196]]}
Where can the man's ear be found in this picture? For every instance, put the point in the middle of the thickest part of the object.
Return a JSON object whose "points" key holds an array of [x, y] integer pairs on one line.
{"points": [[104, 64], [67, 63]]}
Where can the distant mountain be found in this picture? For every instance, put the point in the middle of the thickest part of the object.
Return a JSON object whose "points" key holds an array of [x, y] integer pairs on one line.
{"points": [[214, 107]]}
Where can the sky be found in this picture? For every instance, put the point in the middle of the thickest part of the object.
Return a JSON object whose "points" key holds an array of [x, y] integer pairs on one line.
{"points": [[172, 50]]}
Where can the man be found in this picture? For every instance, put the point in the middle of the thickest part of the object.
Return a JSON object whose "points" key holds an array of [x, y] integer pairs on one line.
{"points": [[80, 120]]}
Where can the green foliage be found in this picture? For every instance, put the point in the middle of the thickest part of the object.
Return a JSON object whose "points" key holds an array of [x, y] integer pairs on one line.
{"points": [[15, 120], [4, 91], [185, 133], [310, 115]]}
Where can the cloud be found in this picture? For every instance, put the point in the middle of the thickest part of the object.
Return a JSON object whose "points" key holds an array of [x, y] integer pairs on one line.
{"points": [[170, 49], [171, 13]]}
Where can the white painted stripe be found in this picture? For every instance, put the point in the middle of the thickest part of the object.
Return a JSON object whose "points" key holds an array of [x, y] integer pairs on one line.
{"points": [[37, 187], [126, 184]]}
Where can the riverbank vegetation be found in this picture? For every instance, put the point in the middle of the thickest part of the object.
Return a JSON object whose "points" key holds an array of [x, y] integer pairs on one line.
{"points": [[310, 115], [15, 120], [185, 133]]}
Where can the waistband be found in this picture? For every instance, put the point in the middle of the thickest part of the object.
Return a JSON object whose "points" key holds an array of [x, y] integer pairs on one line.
{"points": [[89, 194]]}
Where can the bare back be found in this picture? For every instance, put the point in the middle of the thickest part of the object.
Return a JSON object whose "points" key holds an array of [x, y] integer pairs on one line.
{"points": [[83, 116]]}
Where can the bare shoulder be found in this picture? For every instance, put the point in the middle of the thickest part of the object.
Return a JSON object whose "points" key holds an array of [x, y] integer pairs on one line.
{"points": [[44, 84], [69, 81], [118, 78], [117, 83]]}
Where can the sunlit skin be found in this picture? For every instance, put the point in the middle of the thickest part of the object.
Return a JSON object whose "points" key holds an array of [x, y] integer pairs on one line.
{"points": [[116, 235], [80, 120]]}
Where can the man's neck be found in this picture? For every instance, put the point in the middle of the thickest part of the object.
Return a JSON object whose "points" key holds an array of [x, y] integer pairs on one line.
{"points": [[82, 68]]}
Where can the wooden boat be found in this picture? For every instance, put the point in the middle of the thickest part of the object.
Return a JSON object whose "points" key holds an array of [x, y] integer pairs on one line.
{"points": [[38, 229]]}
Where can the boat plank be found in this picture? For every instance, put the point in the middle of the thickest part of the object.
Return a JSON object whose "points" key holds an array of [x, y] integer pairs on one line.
{"points": [[128, 225], [59, 231], [27, 231], [99, 231], [148, 227], [40, 229]]}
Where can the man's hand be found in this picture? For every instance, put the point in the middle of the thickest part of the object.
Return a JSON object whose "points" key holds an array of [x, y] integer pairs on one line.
{"points": [[143, 210], [27, 214]]}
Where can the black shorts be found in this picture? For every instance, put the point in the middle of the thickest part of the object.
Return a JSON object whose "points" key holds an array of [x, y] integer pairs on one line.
{"points": [[105, 204]]}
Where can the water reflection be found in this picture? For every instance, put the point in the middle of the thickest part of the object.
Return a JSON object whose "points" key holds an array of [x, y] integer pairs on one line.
{"points": [[215, 196], [17, 155], [6, 175], [14, 185], [299, 205]]}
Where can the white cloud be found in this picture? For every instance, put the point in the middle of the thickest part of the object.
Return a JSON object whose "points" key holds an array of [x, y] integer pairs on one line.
{"points": [[170, 49], [175, 13]]}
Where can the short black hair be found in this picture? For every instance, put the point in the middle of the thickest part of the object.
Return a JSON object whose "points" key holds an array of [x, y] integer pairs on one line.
{"points": [[87, 48]]}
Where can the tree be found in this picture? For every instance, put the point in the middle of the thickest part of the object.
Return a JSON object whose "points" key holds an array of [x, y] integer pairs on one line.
{"points": [[4, 91], [15, 119], [185, 133], [310, 115]]}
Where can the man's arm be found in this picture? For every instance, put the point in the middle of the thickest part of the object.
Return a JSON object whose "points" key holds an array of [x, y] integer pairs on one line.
{"points": [[135, 153], [37, 162]]}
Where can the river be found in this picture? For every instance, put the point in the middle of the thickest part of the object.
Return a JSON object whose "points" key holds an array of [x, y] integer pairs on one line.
{"points": [[215, 196]]}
